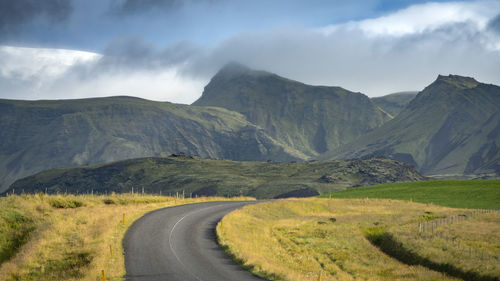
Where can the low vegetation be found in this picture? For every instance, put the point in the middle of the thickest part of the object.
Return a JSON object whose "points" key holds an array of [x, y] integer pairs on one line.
{"points": [[66, 237], [16, 228], [482, 194], [195, 176], [363, 239]]}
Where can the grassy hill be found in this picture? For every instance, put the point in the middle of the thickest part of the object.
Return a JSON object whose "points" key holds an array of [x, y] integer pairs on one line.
{"points": [[311, 119], [195, 176], [394, 103], [39, 135], [452, 193], [451, 128]]}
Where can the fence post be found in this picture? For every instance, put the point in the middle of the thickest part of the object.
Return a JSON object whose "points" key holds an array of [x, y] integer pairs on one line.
{"points": [[319, 276]]}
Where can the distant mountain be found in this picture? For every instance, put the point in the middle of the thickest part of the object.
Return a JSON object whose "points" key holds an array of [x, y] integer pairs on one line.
{"points": [[452, 127], [394, 103], [310, 119], [39, 135], [194, 176]]}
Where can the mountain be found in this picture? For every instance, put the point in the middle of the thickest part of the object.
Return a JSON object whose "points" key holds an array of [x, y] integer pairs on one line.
{"points": [[394, 103], [195, 176], [39, 135], [452, 127], [310, 119]]}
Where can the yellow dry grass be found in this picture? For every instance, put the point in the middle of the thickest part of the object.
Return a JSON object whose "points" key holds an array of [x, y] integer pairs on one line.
{"points": [[295, 239], [77, 243]]}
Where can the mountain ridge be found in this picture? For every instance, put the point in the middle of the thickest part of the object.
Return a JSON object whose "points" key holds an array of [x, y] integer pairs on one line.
{"points": [[439, 130], [450, 127], [394, 103], [311, 119], [38, 135]]}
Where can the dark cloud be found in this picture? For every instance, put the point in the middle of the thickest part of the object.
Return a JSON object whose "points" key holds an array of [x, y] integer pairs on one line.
{"points": [[137, 55], [14, 13], [494, 24], [138, 6]]}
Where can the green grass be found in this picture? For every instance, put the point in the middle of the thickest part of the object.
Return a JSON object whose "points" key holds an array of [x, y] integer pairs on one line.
{"points": [[478, 194], [15, 230]]}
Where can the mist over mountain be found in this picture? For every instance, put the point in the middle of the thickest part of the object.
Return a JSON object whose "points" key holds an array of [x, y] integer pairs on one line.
{"points": [[311, 119], [452, 127]]}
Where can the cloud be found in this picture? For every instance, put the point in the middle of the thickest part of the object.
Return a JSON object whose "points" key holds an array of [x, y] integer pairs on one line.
{"points": [[350, 59], [16, 13], [37, 73], [375, 58], [426, 18], [494, 24], [29, 72], [136, 53], [125, 7]]}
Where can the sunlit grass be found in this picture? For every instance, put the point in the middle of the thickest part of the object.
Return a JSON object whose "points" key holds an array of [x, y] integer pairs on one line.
{"points": [[295, 239], [71, 237], [483, 194]]}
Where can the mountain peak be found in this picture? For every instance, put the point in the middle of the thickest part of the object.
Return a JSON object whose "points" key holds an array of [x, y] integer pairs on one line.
{"points": [[458, 81], [233, 69]]}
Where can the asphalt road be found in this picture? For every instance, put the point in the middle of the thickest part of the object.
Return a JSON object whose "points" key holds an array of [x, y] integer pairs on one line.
{"points": [[179, 244]]}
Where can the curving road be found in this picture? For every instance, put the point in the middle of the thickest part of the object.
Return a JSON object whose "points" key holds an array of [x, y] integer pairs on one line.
{"points": [[179, 244]]}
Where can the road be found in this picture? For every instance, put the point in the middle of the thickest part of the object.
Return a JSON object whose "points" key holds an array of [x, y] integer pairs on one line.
{"points": [[179, 244]]}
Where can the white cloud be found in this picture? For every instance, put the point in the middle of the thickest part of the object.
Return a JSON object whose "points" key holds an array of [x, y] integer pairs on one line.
{"points": [[24, 63], [162, 85], [40, 73], [421, 18]]}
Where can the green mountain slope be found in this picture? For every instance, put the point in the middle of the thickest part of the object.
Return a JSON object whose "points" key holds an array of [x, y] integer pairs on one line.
{"points": [[197, 176], [452, 127], [311, 119], [394, 103], [38, 135]]}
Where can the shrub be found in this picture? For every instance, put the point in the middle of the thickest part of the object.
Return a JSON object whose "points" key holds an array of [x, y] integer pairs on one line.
{"points": [[65, 203]]}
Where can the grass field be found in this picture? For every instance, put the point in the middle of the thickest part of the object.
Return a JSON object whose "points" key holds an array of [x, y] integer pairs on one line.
{"points": [[60, 237], [362, 239], [481, 194]]}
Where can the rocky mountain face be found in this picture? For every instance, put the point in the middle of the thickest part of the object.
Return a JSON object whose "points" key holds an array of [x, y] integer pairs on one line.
{"points": [[394, 103], [311, 119], [39, 135], [452, 127]]}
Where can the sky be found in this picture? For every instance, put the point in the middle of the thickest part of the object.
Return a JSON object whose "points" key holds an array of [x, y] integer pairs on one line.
{"points": [[168, 50]]}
